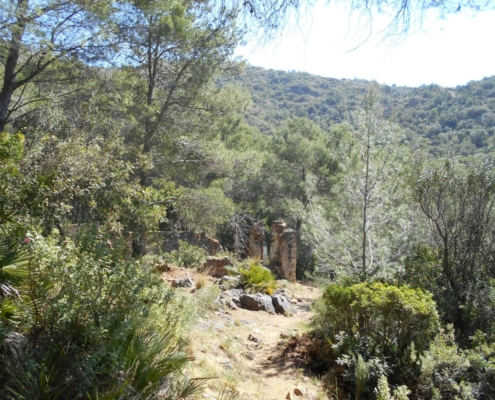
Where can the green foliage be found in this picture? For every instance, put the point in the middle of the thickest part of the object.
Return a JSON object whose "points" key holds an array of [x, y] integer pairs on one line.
{"points": [[444, 369], [256, 278], [361, 227], [440, 116], [103, 323], [187, 255], [388, 318], [382, 391], [457, 199], [383, 326]]}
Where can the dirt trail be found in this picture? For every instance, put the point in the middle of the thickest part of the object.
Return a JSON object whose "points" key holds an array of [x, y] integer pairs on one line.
{"points": [[242, 348], [277, 375]]}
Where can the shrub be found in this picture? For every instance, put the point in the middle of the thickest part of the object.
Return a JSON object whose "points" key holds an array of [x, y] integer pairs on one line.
{"points": [[444, 369], [107, 326], [256, 278], [388, 318], [390, 327], [187, 256]]}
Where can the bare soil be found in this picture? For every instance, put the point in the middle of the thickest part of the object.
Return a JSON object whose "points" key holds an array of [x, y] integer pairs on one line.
{"points": [[243, 350]]}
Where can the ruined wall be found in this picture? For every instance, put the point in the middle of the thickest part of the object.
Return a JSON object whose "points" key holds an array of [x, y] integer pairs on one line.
{"points": [[168, 241], [283, 252], [256, 241]]}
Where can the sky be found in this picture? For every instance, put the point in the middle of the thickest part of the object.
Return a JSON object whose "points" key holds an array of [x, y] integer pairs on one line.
{"points": [[448, 52]]}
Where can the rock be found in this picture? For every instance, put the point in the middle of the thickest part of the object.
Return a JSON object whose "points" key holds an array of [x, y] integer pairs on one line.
{"points": [[226, 364], [284, 336], [231, 298], [257, 302], [282, 305], [212, 246], [215, 266], [229, 282], [253, 338], [182, 283], [218, 327]]}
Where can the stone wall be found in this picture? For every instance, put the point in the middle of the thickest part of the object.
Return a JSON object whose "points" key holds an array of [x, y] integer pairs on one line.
{"points": [[283, 252], [256, 241], [168, 241]]}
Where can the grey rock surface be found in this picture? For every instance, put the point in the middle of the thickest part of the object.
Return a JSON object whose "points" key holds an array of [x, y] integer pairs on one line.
{"points": [[257, 302], [283, 305]]}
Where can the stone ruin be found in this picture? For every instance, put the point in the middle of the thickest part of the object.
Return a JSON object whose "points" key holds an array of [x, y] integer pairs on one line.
{"points": [[283, 252], [168, 241], [255, 245]]}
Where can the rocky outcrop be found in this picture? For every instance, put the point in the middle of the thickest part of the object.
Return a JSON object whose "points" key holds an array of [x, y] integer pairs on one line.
{"points": [[279, 303], [284, 251], [229, 282], [215, 266], [257, 302], [212, 246]]}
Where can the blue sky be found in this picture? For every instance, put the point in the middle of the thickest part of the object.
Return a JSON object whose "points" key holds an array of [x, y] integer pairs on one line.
{"points": [[448, 52]]}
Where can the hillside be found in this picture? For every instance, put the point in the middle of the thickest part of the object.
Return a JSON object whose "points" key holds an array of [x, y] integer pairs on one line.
{"points": [[460, 119]]}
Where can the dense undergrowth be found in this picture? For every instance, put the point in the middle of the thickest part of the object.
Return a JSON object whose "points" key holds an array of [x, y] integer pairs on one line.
{"points": [[87, 321], [379, 341]]}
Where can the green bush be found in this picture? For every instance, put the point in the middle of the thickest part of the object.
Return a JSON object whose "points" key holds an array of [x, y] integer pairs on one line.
{"points": [[256, 278], [94, 327], [187, 255], [387, 327], [444, 369]]}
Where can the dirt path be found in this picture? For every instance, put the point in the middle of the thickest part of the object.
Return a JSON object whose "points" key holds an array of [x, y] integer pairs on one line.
{"points": [[241, 349], [277, 376]]}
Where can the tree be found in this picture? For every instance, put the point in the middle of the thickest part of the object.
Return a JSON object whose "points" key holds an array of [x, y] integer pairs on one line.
{"points": [[362, 230], [303, 153], [458, 201], [172, 52], [34, 37]]}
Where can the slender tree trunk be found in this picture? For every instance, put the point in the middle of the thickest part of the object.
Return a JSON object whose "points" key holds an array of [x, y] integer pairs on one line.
{"points": [[365, 204], [9, 84]]}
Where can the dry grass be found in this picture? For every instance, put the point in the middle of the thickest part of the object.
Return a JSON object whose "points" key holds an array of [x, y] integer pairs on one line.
{"points": [[201, 281]]}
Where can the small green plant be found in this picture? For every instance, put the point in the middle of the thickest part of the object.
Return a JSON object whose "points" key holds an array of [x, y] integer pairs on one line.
{"points": [[256, 278], [205, 299]]}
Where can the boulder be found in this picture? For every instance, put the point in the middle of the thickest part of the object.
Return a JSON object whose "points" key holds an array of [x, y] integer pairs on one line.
{"points": [[229, 282], [231, 298], [257, 302], [283, 305], [182, 283], [215, 266]]}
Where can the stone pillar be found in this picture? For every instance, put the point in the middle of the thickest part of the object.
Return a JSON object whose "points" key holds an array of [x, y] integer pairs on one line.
{"points": [[283, 252], [256, 241]]}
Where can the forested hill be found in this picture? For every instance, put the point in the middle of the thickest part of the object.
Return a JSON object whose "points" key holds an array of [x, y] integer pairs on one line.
{"points": [[460, 119]]}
